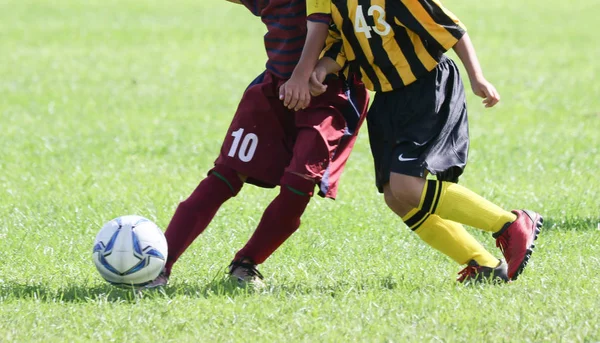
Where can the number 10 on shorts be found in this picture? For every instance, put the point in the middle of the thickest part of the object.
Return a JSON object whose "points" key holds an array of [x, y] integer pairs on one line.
{"points": [[246, 149]]}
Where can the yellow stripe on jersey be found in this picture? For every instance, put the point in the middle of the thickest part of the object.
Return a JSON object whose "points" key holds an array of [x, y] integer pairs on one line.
{"points": [[424, 57], [394, 42], [369, 32], [318, 6], [449, 14], [393, 49], [437, 31], [334, 48]]}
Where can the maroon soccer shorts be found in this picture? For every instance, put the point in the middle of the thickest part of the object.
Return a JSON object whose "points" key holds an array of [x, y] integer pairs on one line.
{"points": [[265, 139]]}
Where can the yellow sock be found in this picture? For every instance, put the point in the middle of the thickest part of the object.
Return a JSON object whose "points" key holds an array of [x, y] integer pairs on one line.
{"points": [[451, 239], [457, 203]]}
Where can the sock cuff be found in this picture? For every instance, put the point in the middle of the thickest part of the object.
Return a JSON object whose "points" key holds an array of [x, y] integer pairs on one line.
{"points": [[298, 184], [229, 176], [415, 218], [432, 193], [410, 214]]}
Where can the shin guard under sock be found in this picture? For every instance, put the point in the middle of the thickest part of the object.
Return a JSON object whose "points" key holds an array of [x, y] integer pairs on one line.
{"points": [[280, 220], [195, 213]]}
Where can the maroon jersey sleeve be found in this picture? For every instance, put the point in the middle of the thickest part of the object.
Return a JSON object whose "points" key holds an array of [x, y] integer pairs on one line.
{"points": [[253, 5]]}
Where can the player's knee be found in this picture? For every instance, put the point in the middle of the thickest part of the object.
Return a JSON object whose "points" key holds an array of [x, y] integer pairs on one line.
{"points": [[398, 206], [232, 178], [298, 183], [406, 189]]}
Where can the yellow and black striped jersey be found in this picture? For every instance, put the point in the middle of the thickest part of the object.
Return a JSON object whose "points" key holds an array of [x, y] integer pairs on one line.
{"points": [[393, 42], [318, 6]]}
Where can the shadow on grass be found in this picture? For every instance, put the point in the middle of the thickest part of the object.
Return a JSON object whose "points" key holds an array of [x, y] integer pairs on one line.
{"points": [[108, 293], [571, 223], [221, 287], [74, 293]]}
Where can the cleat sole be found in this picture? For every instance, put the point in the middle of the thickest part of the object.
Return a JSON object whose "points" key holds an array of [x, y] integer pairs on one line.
{"points": [[529, 251]]}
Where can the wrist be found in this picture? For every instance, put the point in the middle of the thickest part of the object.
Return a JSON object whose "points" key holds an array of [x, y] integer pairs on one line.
{"points": [[300, 75], [476, 76], [302, 72], [328, 66]]}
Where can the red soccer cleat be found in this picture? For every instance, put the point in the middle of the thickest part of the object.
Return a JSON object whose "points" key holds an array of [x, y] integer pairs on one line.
{"points": [[516, 240]]}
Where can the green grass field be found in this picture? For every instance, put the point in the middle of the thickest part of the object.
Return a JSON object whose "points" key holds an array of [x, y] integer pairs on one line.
{"points": [[119, 107]]}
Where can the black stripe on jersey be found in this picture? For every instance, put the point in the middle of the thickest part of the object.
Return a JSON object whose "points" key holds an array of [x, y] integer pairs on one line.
{"points": [[286, 15], [275, 71], [348, 29], [441, 18], [408, 49], [291, 4], [281, 26], [334, 28], [380, 55], [416, 218], [284, 40], [431, 44], [284, 63], [285, 52], [334, 50], [437, 196]]}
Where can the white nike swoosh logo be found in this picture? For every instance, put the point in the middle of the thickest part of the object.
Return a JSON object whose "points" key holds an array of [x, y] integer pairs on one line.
{"points": [[402, 159]]}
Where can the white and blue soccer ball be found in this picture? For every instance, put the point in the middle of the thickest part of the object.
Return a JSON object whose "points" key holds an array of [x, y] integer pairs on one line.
{"points": [[130, 251]]}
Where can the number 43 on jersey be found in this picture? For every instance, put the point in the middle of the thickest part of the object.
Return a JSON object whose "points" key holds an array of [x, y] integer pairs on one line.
{"points": [[381, 26]]}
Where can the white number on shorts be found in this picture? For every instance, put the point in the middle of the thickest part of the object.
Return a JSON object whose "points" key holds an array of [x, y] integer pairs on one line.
{"points": [[248, 147], [360, 23]]}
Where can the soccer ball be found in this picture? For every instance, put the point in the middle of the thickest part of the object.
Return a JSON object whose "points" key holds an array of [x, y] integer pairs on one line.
{"points": [[130, 251]]}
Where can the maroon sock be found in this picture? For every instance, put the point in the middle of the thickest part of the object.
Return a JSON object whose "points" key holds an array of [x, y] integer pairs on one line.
{"points": [[195, 213], [280, 220]]}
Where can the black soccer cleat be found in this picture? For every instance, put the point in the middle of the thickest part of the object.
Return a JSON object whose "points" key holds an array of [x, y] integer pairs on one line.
{"points": [[245, 273], [474, 273]]}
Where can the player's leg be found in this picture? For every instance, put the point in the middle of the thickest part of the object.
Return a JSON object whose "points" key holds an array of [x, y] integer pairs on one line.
{"points": [[515, 235], [400, 137], [193, 215], [322, 147], [243, 157], [445, 155], [278, 222], [449, 200], [451, 239], [282, 217]]}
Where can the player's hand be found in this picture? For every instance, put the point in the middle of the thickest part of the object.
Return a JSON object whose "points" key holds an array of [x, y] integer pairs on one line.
{"points": [[483, 89], [316, 81], [295, 94]]}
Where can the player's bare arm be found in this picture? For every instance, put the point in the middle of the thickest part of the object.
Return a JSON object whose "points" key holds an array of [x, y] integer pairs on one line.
{"points": [[295, 92], [481, 87], [324, 67]]}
